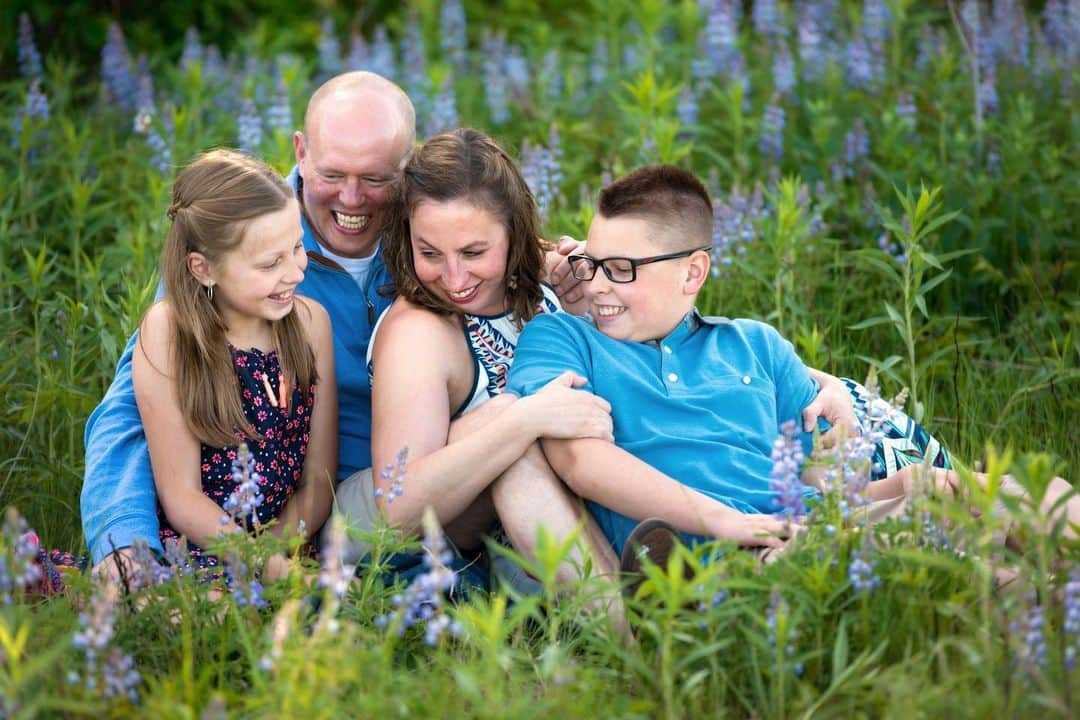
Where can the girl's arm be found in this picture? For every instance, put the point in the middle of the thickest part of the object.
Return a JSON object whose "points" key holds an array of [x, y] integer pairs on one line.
{"points": [[174, 451], [311, 501], [414, 368]]}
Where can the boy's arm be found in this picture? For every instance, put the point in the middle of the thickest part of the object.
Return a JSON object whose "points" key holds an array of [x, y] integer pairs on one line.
{"points": [[118, 503], [612, 477]]}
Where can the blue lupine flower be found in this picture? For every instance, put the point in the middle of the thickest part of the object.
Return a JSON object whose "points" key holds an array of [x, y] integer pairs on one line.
{"points": [[214, 69], [193, 49], [783, 70], [630, 56], [734, 227], [860, 70], [517, 70], [394, 476], [35, 111], [782, 635], [877, 21], [551, 72], [249, 127], [1009, 34], [279, 112], [721, 35], [1030, 632], [856, 150], [444, 113], [988, 97], [1070, 626], [812, 51], [886, 244], [29, 57], [246, 588], [861, 573], [358, 54], [1061, 29], [905, 106], [146, 571], [177, 558], [116, 69], [687, 108], [108, 670], [382, 55], [496, 91], [771, 142], [540, 167], [414, 57], [246, 497], [452, 28], [928, 46], [767, 20], [787, 458], [598, 63], [329, 50], [336, 574]]}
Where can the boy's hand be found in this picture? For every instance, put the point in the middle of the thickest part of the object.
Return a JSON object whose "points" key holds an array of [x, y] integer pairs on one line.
{"points": [[756, 530], [567, 287], [833, 402]]}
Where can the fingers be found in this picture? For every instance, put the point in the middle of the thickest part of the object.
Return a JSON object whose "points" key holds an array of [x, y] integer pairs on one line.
{"points": [[567, 245], [810, 415], [568, 378]]}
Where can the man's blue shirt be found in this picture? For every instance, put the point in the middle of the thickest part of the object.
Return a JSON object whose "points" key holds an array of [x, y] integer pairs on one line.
{"points": [[703, 406], [118, 501]]}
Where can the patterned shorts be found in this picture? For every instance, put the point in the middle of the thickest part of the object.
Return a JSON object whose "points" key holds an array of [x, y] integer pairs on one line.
{"points": [[905, 441]]}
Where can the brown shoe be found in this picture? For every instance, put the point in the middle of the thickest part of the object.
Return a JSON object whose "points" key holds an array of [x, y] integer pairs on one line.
{"points": [[653, 539]]}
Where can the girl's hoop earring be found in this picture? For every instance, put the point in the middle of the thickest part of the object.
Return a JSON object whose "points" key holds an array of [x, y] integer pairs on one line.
{"points": [[210, 293]]}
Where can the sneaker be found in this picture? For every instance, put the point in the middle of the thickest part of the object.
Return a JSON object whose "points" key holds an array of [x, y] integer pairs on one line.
{"points": [[653, 539]]}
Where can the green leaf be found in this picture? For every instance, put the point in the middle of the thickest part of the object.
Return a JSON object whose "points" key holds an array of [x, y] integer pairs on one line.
{"points": [[894, 315], [869, 323]]}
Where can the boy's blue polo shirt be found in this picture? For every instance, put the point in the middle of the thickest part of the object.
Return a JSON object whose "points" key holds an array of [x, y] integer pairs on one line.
{"points": [[118, 501], [704, 405]]}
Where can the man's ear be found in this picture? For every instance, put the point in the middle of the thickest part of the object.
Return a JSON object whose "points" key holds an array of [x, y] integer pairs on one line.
{"points": [[298, 146], [200, 268], [697, 272]]}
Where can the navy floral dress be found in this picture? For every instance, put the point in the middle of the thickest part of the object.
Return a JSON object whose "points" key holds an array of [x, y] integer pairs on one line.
{"points": [[278, 458]]}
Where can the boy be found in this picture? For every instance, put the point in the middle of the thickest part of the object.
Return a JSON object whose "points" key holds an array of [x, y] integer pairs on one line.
{"points": [[697, 402]]}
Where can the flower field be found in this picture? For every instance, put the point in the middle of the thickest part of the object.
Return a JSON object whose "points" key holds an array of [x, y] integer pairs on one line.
{"points": [[895, 189]]}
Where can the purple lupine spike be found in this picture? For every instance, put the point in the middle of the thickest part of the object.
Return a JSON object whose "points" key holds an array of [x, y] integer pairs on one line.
{"points": [[517, 70], [860, 70], [598, 63], [771, 142], [789, 492], [329, 49], [688, 107], [107, 670], [444, 113], [193, 49], [359, 56], [249, 127], [1029, 630], [245, 586], [382, 55], [861, 572], [496, 91], [116, 69], [767, 20], [29, 58], [877, 22], [279, 112], [34, 111], [1070, 625], [453, 38], [783, 70], [551, 72]]}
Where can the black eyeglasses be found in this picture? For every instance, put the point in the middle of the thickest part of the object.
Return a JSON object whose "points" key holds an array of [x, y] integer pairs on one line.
{"points": [[619, 269]]}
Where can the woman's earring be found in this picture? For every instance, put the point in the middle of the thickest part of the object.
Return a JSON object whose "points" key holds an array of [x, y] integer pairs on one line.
{"points": [[511, 282], [210, 293]]}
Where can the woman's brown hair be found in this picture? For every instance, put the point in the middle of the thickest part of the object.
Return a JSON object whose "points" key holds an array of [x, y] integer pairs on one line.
{"points": [[467, 164], [213, 200]]}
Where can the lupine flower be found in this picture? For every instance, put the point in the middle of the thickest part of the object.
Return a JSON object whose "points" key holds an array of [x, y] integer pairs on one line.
{"points": [[116, 69], [279, 112], [1009, 34], [517, 70], [29, 57], [394, 476], [889, 246], [246, 497], [193, 49], [146, 571], [771, 142], [279, 633], [1030, 632], [108, 670], [144, 124], [414, 57], [19, 568], [782, 634], [336, 574], [716, 601], [861, 572], [421, 603], [382, 55], [245, 586], [734, 228], [787, 458], [214, 69], [812, 53], [329, 50], [856, 149], [34, 111], [177, 558], [988, 97], [551, 72], [1061, 28], [783, 70], [877, 19], [249, 127], [541, 169], [905, 106], [452, 26], [598, 63], [766, 19], [1070, 626], [928, 46], [444, 113], [860, 71], [630, 57], [495, 87], [721, 35], [687, 107], [358, 54]]}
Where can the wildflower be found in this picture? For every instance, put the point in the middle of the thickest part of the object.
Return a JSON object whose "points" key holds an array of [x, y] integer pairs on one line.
{"points": [[444, 113], [161, 152], [214, 69], [517, 71], [734, 226], [177, 558], [782, 634], [414, 56], [928, 46], [279, 633], [787, 457], [29, 57], [1029, 629], [598, 63], [193, 49], [358, 54], [876, 22], [452, 26], [905, 106], [279, 112], [1009, 34], [766, 19], [540, 166], [249, 127], [552, 75], [721, 36], [335, 574], [771, 142], [856, 149], [116, 69], [861, 573], [146, 571], [245, 586], [246, 497], [1070, 626], [687, 108], [496, 91], [33, 113], [811, 46], [382, 55], [107, 670], [860, 71], [394, 476], [783, 70], [987, 92], [889, 246], [19, 568], [421, 603], [329, 50]]}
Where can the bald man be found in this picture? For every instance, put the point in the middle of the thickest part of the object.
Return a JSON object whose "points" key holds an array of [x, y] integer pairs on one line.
{"points": [[359, 129]]}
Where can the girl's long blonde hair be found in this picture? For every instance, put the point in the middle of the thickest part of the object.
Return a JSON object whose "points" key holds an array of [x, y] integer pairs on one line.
{"points": [[214, 198]]}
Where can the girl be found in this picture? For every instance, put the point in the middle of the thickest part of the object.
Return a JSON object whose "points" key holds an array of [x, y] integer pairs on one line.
{"points": [[231, 356]]}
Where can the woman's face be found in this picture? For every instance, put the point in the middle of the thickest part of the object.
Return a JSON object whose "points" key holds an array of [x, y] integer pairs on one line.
{"points": [[460, 253]]}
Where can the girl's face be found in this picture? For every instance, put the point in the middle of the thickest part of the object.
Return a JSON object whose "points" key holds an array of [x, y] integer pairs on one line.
{"points": [[460, 253], [254, 282]]}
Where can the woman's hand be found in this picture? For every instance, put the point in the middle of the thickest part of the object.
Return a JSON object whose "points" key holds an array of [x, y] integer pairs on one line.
{"points": [[834, 403], [752, 530], [560, 411]]}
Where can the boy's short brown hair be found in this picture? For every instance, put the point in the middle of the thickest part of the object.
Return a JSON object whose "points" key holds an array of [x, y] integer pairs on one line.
{"points": [[673, 200]]}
